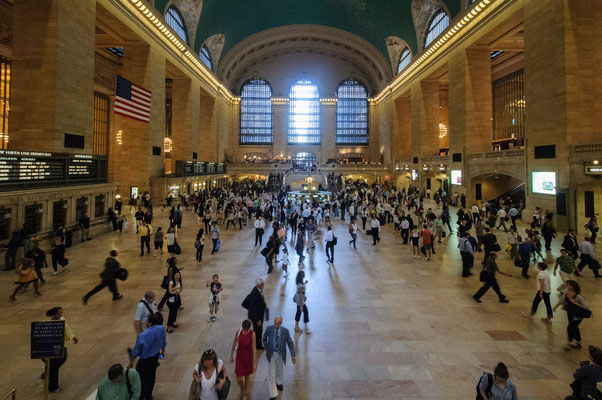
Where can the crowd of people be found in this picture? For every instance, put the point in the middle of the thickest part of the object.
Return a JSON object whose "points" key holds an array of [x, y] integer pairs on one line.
{"points": [[366, 210]]}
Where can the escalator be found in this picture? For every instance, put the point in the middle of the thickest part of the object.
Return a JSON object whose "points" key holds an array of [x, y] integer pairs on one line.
{"points": [[516, 194]]}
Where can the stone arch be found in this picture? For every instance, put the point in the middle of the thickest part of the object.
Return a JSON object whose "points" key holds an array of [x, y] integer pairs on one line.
{"points": [[422, 11], [191, 13], [395, 45]]}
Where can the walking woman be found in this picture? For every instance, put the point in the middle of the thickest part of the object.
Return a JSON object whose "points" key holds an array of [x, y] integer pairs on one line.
{"points": [[174, 301], [573, 303], [27, 274], [206, 373], [592, 226], [300, 245], [170, 238], [122, 222], [246, 361], [58, 255], [215, 236], [199, 244], [56, 314], [171, 270], [159, 236], [544, 286], [300, 298]]}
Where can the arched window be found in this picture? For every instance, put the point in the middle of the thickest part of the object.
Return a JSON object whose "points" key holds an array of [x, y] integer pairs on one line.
{"points": [[175, 20], [439, 23], [256, 117], [404, 59], [205, 56], [352, 113], [304, 113]]}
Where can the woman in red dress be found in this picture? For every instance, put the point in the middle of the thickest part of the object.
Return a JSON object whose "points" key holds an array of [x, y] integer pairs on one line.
{"points": [[246, 362]]}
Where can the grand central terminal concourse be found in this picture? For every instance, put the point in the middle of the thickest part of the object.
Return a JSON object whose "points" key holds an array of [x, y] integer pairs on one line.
{"points": [[318, 199]]}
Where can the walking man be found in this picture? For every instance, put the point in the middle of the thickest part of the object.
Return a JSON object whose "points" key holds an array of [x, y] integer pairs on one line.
{"points": [[525, 249], [375, 226], [489, 270], [489, 243], [276, 338], [109, 278], [467, 253], [587, 257], [150, 344], [567, 268], [259, 229], [329, 238], [256, 309], [145, 230], [146, 307]]}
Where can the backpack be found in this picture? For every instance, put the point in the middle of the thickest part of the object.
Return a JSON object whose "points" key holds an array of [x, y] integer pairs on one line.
{"points": [[489, 385], [197, 244]]}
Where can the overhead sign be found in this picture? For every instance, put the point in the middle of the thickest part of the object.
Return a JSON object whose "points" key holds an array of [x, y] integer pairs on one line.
{"points": [[593, 170], [47, 339]]}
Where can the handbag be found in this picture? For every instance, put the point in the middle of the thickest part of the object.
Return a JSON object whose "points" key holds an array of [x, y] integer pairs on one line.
{"points": [[165, 283], [121, 274], [222, 394], [483, 276], [443, 234], [64, 262], [195, 390], [335, 241], [577, 311], [508, 247], [217, 245], [497, 247], [176, 248]]}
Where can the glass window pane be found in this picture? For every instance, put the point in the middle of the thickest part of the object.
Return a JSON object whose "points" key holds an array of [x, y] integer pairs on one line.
{"points": [[304, 114], [439, 23], [404, 59], [352, 113], [256, 116], [176, 22], [205, 57]]}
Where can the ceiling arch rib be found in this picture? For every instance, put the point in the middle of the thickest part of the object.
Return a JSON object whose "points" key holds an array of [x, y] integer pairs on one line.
{"points": [[311, 40]]}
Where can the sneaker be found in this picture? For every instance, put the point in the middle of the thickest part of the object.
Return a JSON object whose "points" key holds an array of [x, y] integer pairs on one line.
{"points": [[477, 300], [55, 273], [576, 345], [209, 319], [504, 301], [56, 390], [213, 318], [527, 315], [548, 320], [118, 297]]}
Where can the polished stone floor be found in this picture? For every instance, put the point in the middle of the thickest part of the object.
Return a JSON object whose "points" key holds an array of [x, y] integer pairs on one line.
{"points": [[385, 326]]}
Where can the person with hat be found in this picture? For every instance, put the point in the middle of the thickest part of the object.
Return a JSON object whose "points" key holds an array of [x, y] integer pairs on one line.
{"points": [[56, 314], [587, 377]]}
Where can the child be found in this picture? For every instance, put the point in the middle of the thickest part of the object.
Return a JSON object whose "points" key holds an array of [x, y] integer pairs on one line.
{"points": [[216, 287], [285, 261], [300, 299]]}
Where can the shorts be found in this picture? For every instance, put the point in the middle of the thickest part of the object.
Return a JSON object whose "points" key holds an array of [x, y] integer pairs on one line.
{"points": [[158, 245], [415, 241]]}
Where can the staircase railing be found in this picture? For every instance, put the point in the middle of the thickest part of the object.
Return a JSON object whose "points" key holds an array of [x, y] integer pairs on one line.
{"points": [[12, 395]]}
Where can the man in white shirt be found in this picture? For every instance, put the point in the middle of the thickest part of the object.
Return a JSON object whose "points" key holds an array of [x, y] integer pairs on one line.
{"points": [[475, 213], [375, 226], [259, 225], [587, 257], [145, 307], [405, 229], [501, 214]]}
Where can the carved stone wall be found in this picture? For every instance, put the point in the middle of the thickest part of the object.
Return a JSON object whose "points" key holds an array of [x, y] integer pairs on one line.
{"points": [[422, 11]]}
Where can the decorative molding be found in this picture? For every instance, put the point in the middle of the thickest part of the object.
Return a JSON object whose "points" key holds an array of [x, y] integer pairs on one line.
{"points": [[6, 25], [104, 80], [215, 44]]}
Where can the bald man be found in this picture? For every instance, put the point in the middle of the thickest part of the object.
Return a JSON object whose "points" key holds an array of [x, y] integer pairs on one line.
{"points": [[275, 339]]}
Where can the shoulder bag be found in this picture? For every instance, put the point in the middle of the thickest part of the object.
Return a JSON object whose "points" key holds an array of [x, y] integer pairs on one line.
{"points": [[577, 310], [222, 394]]}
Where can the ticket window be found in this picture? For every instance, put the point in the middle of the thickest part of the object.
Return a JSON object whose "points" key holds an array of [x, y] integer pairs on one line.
{"points": [[33, 217], [59, 212], [81, 207], [5, 218], [99, 206]]}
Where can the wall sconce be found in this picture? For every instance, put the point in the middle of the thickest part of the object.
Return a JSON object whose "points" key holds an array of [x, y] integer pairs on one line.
{"points": [[86, 202], [65, 205], [8, 216], [119, 136], [40, 210]]}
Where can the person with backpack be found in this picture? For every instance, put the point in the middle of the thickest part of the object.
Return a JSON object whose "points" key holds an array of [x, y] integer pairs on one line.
{"points": [[120, 384], [496, 386], [146, 307], [587, 377], [109, 278]]}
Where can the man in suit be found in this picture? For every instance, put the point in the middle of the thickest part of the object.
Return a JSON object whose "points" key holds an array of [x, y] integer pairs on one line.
{"points": [[275, 340], [255, 304]]}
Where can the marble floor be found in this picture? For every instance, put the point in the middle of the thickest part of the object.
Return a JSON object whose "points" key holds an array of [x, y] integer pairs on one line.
{"points": [[385, 326]]}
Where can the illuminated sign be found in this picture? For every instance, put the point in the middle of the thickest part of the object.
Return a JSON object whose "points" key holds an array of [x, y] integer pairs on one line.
{"points": [[543, 182], [456, 177]]}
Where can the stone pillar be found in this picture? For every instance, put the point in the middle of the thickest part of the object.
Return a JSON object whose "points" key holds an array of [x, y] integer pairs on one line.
{"points": [[329, 149], [402, 133], [470, 103], [207, 125], [279, 129], [425, 119], [144, 66], [185, 120], [52, 83]]}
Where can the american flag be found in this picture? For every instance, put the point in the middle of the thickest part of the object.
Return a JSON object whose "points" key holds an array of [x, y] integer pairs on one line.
{"points": [[132, 100]]}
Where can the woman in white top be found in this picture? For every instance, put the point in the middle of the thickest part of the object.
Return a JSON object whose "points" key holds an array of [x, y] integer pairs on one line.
{"points": [[170, 238], [205, 373], [174, 301], [544, 286]]}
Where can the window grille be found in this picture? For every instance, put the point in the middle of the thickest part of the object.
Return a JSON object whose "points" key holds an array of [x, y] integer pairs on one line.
{"points": [[352, 113], [304, 114], [174, 19], [439, 23], [256, 113]]}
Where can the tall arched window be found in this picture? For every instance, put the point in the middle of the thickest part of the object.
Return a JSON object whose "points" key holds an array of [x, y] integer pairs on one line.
{"points": [[439, 23], [256, 117], [352, 113], [173, 17], [205, 56], [404, 59], [304, 113]]}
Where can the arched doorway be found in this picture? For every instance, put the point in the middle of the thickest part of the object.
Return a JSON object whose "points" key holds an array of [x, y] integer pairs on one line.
{"points": [[304, 161]]}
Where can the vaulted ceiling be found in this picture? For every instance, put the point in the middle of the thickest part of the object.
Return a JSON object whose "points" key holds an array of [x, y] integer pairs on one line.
{"points": [[372, 20]]}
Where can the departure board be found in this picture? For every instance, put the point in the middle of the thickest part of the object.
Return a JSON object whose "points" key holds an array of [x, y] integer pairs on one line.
{"points": [[198, 168], [30, 168]]}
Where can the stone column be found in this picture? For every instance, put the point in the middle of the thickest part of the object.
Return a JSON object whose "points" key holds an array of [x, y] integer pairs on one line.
{"points": [[52, 83], [144, 66], [207, 131], [329, 150], [470, 103], [425, 119], [185, 120], [402, 131], [280, 127]]}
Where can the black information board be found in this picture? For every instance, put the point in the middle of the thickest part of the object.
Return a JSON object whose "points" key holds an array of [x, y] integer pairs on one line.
{"points": [[47, 339], [198, 168], [22, 169]]}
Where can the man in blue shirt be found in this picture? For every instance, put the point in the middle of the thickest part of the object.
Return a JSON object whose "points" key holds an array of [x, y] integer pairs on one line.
{"points": [[525, 249], [501, 388], [149, 345]]}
